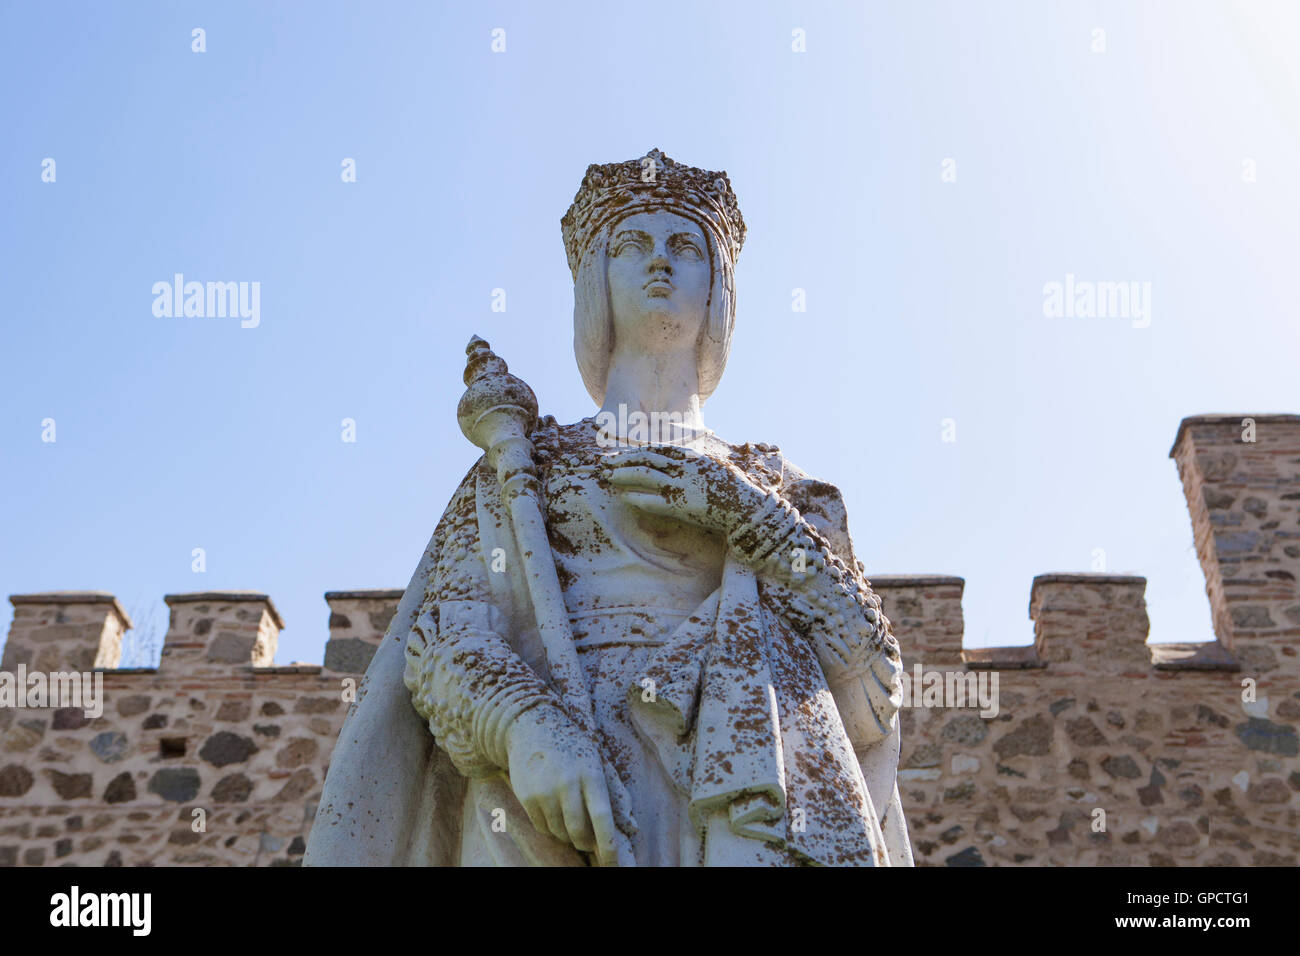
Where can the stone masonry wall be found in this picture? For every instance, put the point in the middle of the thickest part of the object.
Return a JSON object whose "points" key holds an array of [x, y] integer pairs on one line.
{"points": [[1185, 772], [212, 729], [1186, 768], [1191, 750]]}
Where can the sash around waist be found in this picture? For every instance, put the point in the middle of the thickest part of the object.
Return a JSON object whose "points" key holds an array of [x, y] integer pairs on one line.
{"points": [[627, 624]]}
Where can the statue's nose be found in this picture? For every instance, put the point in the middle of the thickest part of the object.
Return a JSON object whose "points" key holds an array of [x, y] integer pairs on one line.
{"points": [[659, 262]]}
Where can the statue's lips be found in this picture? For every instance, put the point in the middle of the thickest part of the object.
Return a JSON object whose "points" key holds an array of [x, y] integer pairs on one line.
{"points": [[659, 287]]}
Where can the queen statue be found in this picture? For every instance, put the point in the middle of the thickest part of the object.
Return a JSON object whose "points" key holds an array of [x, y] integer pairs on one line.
{"points": [[628, 641]]}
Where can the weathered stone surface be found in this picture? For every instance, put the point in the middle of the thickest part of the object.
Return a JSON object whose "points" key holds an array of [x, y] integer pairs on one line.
{"points": [[1032, 738], [1084, 733], [297, 752], [15, 780], [110, 746], [299, 785], [133, 705], [1271, 790], [1255, 506], [180, 784], [317, 705], [22, 738], [1058, 706], [1217, 500], [349, 655], [1179, 834], [234, 788], [234, 711], [925, 756], [1251, 616], [1269, 737], [963, 791], [967, 857], [71, 786], [230, 648], [1122, 766], [121, 789], [1208, 715], [965, 730], [69, 718], [224, 748]]}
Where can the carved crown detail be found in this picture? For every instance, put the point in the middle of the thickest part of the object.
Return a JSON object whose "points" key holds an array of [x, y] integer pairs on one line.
{"points": [[652, 181]]}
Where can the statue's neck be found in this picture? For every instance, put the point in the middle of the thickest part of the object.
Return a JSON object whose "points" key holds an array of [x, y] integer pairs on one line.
{"points": [[667, 384]]}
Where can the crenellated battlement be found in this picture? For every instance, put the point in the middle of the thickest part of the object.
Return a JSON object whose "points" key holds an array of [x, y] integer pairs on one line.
{"points": [[210, 629], [216, 737], [65, 630], [1189, 751], [1241, 478]]}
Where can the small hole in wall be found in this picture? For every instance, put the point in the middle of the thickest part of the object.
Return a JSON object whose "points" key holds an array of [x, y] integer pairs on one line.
{"points": [[169, 747]]}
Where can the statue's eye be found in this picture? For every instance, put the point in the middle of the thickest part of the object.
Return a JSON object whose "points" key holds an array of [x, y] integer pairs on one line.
{"points": [[687, 249], [627, 246]]}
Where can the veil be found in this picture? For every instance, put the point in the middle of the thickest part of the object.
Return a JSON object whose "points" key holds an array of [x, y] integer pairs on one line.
{"points": [[388, 779]]}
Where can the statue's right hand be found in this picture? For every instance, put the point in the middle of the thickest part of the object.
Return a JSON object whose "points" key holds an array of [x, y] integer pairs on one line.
{"points": [[557, 775]]}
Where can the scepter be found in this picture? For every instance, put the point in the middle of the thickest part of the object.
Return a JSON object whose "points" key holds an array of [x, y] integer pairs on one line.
{"points": [[497, 413]]}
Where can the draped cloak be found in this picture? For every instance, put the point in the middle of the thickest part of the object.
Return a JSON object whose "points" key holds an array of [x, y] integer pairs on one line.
{"points": [[764, 755]]}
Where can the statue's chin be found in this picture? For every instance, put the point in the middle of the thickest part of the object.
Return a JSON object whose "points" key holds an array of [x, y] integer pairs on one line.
{"points": [[660, 327]]}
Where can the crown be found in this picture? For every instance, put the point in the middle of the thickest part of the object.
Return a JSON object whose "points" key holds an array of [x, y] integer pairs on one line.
{"points": [[616, 190]]}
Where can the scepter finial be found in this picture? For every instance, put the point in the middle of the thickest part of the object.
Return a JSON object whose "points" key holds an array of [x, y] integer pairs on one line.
{"points": [[481, 360], [491, 388]]}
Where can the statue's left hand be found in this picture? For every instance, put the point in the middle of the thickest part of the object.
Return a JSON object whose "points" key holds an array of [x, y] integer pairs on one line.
{"points": [[679, 483]]}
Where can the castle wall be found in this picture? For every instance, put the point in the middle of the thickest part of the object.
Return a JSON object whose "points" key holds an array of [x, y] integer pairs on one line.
{"points": [[1188, 752], [1183, 771], [213, 729]]}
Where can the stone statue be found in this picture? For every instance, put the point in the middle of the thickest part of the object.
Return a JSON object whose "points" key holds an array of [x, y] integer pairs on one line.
{"points": [[628, 641]]}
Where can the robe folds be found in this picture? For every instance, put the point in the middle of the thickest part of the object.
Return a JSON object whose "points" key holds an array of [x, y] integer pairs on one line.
{"points": [[717, 714]]}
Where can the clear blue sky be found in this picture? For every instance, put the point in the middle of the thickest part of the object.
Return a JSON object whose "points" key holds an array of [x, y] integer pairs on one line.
{"points": [[925, 298]]}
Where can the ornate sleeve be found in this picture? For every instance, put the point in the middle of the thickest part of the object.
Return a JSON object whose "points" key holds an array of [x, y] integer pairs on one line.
{"points": [[799, 543], [464, 677]]}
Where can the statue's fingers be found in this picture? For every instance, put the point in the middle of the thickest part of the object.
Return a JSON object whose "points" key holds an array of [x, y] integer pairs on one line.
{"points": [[671, 450], [649, 501], [535, 815], [620, 802], [554, 819], [629, 474], [643, 479], [601, 815], [576, 820], [649, 459]]}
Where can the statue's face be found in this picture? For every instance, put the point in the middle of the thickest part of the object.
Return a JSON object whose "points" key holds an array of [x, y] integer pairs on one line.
{"points": [[659, 277]]}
